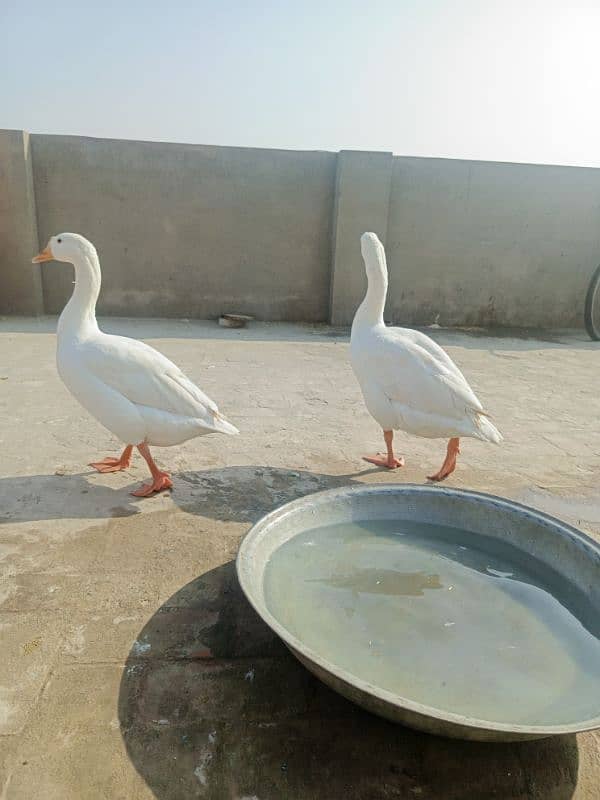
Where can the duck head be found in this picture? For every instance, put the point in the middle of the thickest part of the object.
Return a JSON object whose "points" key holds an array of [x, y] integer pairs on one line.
{"points": [[68, 247], [373, 253]]}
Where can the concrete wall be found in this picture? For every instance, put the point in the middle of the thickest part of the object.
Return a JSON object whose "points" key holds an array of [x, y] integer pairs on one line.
{"points": [[191, 231], [480, 243], [194, 231]]}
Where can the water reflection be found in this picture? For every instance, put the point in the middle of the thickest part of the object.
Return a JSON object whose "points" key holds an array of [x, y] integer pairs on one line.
{"points": [[391, 582]]}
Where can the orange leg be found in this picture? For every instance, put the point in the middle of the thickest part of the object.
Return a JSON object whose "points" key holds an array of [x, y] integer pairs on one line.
{"points": [[160, 479], [109, 464], [449, 464], [390, 461]]}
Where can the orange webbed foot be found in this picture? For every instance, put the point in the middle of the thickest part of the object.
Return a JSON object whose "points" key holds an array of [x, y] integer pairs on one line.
{"points": [[449, 464], [381, 460], [442, 474], [110, 464], [161, 481]]}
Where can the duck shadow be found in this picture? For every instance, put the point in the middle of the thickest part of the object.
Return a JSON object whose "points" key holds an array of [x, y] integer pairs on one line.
{"points": [[211, 704], [229, 494], [245, 494], [34, 498]]}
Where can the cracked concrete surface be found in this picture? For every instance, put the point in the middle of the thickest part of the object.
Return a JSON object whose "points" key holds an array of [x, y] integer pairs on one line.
{"points": [[131, 667]]}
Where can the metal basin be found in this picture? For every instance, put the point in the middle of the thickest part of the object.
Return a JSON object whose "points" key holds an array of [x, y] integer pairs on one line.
{"points": [[565, 564]]}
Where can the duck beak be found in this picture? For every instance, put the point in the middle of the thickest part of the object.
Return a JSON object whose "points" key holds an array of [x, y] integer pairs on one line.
{"points": [[45, 255]]}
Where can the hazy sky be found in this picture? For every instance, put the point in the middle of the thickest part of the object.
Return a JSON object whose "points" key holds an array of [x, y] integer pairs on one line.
{"points": [[513, 80]]}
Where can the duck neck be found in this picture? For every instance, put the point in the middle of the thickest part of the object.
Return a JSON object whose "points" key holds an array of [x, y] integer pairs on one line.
{"points": [[370, 311], [79, 315]]}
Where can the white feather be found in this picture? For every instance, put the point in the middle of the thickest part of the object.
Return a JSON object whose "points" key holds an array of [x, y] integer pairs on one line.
{"points": [[132, 389], [408, 381]]}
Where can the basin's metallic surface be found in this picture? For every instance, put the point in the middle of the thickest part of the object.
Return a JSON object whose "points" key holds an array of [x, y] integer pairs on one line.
{"points": [[558, 549]]}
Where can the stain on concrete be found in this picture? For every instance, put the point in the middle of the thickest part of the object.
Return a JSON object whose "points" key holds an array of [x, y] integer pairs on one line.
{"points": [[244, 494], [29, 647]]}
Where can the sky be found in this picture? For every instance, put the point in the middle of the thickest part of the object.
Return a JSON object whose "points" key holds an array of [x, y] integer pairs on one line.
{"points": [[513, 80]]}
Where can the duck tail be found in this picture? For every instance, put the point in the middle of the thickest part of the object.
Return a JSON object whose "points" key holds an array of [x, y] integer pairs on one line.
{"points": [[486, 428], [222, 425]]}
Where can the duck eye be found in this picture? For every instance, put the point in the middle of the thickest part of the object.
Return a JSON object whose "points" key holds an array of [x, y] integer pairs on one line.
{"points": [[59, 241]]}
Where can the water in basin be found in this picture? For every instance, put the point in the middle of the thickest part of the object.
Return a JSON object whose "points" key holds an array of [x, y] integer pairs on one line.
{"points": [[443, 617]]}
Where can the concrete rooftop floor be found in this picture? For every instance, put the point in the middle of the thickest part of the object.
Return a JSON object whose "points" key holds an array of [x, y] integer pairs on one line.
{"points": [[131, 666]]}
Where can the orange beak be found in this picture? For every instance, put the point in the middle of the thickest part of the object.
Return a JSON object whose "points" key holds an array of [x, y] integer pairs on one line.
{"points": [[45, 255]]}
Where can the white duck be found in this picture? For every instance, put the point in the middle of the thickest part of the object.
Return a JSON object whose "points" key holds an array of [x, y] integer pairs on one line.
{"points": [[407, 380], [133, 390]]}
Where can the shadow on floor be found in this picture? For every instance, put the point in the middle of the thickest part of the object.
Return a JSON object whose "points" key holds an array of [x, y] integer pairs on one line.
{"points": [[236, 494], [33, 498], [212, 705], [245, 494]]}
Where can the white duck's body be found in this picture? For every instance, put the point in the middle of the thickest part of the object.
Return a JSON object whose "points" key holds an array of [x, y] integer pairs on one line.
{"points": [[408, 382], [133, 390]]}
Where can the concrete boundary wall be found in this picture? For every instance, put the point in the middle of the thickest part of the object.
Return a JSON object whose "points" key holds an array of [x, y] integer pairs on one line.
{"points": [[195, 231]]}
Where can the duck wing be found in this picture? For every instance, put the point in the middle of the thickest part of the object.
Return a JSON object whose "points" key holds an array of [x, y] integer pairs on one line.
{"points": [[146, 377], [447, 368], [413, 370]]}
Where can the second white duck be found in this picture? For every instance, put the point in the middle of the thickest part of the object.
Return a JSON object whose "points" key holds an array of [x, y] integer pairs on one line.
{"points": [[133, 390], [408, 382]]}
